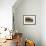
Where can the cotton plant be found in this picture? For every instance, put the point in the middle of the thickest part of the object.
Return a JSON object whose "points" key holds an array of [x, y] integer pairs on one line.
{"points": [[4, 32], [2, 35], [1, 29], [7, 32]]}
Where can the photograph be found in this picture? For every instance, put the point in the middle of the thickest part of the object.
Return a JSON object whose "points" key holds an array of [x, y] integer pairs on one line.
{"points": [[29, 19]]}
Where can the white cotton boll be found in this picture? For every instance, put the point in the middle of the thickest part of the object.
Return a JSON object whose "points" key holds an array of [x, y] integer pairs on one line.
{"points": [[16, 31], [7, 32]]}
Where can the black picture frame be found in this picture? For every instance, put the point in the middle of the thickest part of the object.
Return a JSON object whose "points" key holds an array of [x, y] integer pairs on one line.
{"points": [[29, 19]]}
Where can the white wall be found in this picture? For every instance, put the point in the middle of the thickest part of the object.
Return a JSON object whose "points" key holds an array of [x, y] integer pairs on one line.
{"points": [[43, 22], [35, 32], [6, 13], [28, 7]]}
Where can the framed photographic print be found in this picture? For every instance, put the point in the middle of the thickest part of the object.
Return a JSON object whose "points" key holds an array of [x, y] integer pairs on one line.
{"points": [[29, 19]]}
